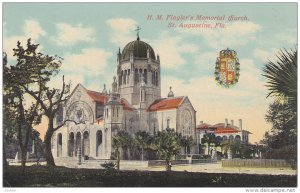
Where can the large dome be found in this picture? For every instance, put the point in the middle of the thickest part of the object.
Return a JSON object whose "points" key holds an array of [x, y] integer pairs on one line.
{"points": [[139, 49]]}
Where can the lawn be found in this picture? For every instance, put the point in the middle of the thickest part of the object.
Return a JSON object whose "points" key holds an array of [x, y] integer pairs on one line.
{"points": [[42, 176]]}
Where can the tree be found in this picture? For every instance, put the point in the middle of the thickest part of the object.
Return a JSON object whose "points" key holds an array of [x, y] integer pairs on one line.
{"points": [[209, 138], [281, 141], [231, 146], [120, 141], [143, 140], [187, 142], [167, 143], [35, 71], [282, 79], [281, 76], [17, 115]]}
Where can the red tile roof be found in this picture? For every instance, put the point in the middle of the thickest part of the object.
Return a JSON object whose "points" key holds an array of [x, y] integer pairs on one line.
{"points": [[165, 104], [221, 128], [204, 126], [97, 96], [225, 130]]}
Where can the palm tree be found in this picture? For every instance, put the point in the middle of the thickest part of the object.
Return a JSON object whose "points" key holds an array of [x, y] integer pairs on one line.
{"points": [[282, 78], [167, 144], [120, 141]]}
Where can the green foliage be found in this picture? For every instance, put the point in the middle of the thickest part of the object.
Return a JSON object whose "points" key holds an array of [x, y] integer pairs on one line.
{"points": [[281, 141], [167, 144], [187, 143], [282, 79], [209, 139]]}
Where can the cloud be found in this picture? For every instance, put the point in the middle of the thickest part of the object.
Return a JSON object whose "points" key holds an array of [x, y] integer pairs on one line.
{"points": [[91, 61], [265, 54], [121, 30], [235, 34], [171, 50], [31, 29], [70, 35]]}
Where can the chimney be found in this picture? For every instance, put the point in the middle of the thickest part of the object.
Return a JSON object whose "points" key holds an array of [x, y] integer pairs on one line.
{"points": [[231, 122], [240, 122], [226, 122]]}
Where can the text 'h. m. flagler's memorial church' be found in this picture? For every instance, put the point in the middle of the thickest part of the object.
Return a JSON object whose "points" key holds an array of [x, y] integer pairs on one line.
{"points": [[133, 104]]}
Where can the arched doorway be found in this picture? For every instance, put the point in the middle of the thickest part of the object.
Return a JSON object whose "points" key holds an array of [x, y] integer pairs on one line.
{"points": [[77, 143], [59, 145], [86, 144], [98, 142], [238, 138], [71, 144]]}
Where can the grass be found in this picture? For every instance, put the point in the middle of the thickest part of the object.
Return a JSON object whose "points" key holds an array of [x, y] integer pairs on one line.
{"points": [[43, 176]]}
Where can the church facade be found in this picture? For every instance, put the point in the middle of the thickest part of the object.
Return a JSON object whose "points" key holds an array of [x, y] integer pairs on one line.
{"points": [[133, 104]]}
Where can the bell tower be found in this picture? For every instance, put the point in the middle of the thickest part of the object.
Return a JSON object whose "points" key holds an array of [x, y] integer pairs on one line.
{"points": [[138, 65]]}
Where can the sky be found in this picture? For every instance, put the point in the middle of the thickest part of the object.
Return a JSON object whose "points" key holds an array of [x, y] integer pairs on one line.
{"points": [[88, 35]]}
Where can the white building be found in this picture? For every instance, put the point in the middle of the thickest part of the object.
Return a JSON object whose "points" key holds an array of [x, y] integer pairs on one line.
{"points": [[222, 131], [134, 104]]}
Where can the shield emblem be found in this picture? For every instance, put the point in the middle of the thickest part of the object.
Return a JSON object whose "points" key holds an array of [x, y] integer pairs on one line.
{"points": [[227, 68]]}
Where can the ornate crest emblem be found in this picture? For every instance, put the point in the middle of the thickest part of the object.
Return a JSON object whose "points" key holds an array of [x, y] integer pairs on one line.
{"points": [[227, 70]]}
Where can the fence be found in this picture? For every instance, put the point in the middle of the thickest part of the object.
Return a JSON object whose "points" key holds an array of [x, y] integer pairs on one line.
{"points": [[256, 163], [178, 162]]}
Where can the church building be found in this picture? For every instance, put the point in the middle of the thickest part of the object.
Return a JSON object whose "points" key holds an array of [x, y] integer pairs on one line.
{"points": [[133, 104]]}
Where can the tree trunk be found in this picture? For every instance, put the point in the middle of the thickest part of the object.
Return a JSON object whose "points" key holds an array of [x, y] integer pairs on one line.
{"points": [[168, 165], [118, 160], [49, 156], [23, 158], [5, 163], [142, 154]]}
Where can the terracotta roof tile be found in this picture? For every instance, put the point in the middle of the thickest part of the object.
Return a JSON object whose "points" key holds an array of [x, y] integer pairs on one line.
{"points": [[165, 104], [204, 126], [97, 96]]}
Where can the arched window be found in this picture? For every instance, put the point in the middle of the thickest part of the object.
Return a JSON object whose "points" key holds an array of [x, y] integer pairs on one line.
{"points": [[238, 138], [145, 75], [86, 144], [71, 144], [231, 138], [59, 145], [168, 123], [124, 77], [136, 76], [224, 138], [128, 75]]}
